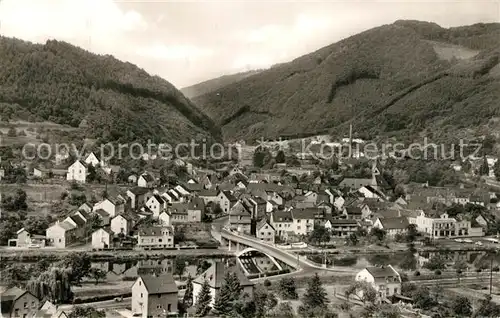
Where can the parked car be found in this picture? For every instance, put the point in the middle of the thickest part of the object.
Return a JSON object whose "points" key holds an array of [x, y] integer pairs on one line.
{"points": [[479, 243]]}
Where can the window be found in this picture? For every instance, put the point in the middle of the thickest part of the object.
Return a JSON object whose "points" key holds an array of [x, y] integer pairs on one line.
{"points": [[159, 240], [159, 296], [25, 305], [141, 295], [169, 307]]}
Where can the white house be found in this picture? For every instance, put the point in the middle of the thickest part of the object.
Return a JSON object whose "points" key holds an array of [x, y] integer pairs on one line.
{"points": [[92, 159], [215, 277], [77, 172], [165, 218], [156, 204], [60, 234], [154, 296], [385, 280], [112, 207], [121, 224], [145, 180], [226, 200], [102, 238], [392, 226]]}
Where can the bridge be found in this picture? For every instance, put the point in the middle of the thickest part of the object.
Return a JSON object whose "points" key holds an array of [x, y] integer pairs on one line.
{"points": [[242, 243]]}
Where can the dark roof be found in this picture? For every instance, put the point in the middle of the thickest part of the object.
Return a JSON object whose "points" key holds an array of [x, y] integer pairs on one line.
{"points": [[239, 209], [282, 216], [8, 297], [215, 276], [196, 204], [78, 220], [381, 272], [139, 190], [178, 208], [159, 198], [207, 193], [263, 222], [152, 231], [147, 177], [353, 210], [308, 213], [395, 223], [162, 284], [101, 213], [343, 221], [230, 196]]}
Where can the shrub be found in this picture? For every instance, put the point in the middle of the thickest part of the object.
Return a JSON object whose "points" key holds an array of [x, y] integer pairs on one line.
{"points": [[267, 283], [417, 273]]}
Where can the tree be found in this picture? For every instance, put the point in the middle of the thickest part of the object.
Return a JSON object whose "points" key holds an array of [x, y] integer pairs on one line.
{"points": [[411, 233], [97, 274], [437, 262], [287, 288], [203, 300], [484, 169], [54, 284], [496, 169], [179, 266], [79, 265], [188, 294], [314, 298], [460, 266], [378, 233], [283, 310], [487, 308], [461, 306], [202, 266], [36, 224], [92, 173], [280, 157], [423, 299], [95, 222], [86, 311], [319, 235], [261, 157], [364, 291], [352, 239], [16, 202], [12, 132]]}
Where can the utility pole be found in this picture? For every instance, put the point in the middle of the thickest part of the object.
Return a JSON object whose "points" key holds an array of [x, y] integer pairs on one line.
{"points": [[491, 274]]}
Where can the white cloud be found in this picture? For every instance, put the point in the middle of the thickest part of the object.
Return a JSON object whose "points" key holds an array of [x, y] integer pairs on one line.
{"points": [[75, 21], [169, 52], [252, 62]]}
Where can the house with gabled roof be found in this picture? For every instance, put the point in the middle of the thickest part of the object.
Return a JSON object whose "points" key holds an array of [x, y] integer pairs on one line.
{"points": [[113, 207], [25, 239], [265, 231], [392, 226], [156, 204], [85, 207], [102, 238], [145, 180], [226, 200], [93, 160], [17, 302], [214, 275], [178, 212], [121, 224], [282, 221], [77, 172], [156, 237], [385, 280], [103, 216], [208, 195], [240, 218], [137, 197], [61, 234], [154, 296], [79, 224]]}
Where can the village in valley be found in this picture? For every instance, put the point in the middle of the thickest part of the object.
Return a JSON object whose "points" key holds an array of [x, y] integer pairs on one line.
{"points": [[249, 159], [172, 237]]}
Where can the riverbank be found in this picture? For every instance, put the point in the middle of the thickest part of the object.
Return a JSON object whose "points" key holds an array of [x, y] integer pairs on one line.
{"points": [[32, 255]]}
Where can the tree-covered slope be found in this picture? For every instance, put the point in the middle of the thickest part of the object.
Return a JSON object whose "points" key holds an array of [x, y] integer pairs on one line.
{"points": [[389, 79], [120, 102], [212, 85]]}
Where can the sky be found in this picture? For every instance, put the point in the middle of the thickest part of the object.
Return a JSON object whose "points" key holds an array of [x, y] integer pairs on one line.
{"points": [[187, 42]]}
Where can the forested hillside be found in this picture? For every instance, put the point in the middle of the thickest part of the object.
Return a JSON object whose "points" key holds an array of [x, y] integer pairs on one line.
{"points": [[214, 84], [399, 79], [120, 102]]}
